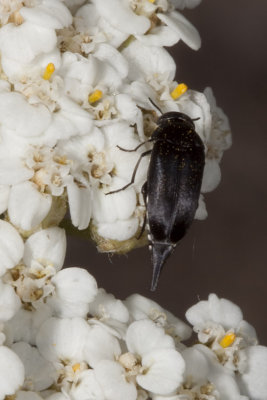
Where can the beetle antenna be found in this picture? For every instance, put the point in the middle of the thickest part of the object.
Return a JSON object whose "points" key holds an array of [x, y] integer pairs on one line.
{"points": [[196, 119], [155, 105]]}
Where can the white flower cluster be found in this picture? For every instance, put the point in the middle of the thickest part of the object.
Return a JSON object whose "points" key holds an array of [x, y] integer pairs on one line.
{"points": [[63, 338], [75, 81], [76, 77]]}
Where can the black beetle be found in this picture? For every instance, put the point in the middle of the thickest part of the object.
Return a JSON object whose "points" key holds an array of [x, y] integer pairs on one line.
{"points": [[172, 189]]}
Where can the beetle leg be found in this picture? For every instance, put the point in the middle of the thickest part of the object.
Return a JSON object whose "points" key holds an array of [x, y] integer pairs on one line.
{"points": [[136, 148], [144, 193], [146, 153]]}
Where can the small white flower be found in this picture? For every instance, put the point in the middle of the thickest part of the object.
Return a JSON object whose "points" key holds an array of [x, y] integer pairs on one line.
{"points": [[32, 35], [220, 326], [27, 207], [142, 308], [161, 366], [205, 374], [46, 247], [222, 311], [110, 313]]}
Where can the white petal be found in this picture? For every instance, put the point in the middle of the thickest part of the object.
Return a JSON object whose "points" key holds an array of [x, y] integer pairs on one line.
{"points": [[211, 175], [144, 336], [77, 121], [146, 61], [253, 382], [50, 14], [183, 27], [13, 171], [4, 194], [108, 54], [25, 41], [160, 36], [185, 3], [218, 310], [248, 332], [75, 284], [100, 345], [164, 371], [39, 373], [80, 203], [120, 15], [11, 246], [47, 246], [9, 302], [27, 207], [57, 395], [28, 120], [75, 289], [88, 387], [27, 395], [60, 339], [118, 230], [105, 305], [110, 376], [11, 372], [25, 324], [201, 212], [65, 309], [223, 379], [195, 105], [115, 206], [196, 366]]}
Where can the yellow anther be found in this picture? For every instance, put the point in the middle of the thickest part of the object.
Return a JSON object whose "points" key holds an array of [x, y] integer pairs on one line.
{"points": [[76, 367], [151, 1], [179, 90], [227, 340], [95, 96], [50, 68]]}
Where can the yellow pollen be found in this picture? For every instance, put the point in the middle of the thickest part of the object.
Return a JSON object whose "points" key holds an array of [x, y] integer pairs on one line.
{"points": [[95, 96], [76, 367], [179, 90], [151, 1], [227, 340], [50, 68]]}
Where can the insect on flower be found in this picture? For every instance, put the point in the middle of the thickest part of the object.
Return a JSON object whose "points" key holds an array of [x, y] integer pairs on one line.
{"points": [[171, 191]]}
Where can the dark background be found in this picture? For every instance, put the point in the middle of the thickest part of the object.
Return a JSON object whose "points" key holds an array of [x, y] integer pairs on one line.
{"points": [[226, 253]]}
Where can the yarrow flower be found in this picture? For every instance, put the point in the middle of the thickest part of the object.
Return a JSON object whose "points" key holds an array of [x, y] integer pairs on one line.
{"points": [[76, 79]]}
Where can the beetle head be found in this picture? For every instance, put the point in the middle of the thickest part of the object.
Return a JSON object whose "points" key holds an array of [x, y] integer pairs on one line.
{"points": [[176, 117]]}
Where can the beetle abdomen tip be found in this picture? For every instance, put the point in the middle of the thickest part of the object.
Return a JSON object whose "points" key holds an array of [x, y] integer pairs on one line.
{"points": [[160, 252]]}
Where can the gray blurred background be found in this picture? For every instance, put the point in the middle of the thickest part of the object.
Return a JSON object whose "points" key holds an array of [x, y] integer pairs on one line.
{"points": [[225, 254]]}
